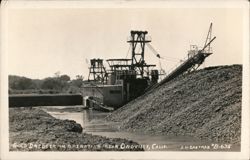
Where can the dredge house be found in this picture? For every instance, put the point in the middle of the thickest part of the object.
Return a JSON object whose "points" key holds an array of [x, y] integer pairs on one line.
{"points": [[127, 79]]}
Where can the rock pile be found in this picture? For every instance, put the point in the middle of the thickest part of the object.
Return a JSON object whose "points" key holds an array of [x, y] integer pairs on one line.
{"points": [[204, 104], [35, 130]]}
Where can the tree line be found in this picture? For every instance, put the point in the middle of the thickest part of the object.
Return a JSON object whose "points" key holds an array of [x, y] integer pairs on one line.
{"points": [[55, 84]]}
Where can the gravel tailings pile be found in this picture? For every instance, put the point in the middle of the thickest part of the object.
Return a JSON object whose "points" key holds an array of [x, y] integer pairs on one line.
{"points": [[35, 130], [204, 104]]}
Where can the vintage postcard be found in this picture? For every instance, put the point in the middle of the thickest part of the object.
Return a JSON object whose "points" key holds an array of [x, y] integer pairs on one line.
{"points": [[124, 80]]}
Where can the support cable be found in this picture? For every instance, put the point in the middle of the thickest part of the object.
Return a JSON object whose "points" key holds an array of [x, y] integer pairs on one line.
{"points": [[128, 51], [172, 59]]}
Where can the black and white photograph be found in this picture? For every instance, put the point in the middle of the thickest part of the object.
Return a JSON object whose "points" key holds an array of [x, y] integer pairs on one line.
{"points": [[124, 80]]}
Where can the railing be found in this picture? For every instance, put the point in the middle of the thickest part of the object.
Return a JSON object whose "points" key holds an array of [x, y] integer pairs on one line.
{"points": [[147, 38]]}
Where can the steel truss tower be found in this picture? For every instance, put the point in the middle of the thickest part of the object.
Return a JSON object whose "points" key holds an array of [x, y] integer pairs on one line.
{"points": [[97, 71], [138, 40]]}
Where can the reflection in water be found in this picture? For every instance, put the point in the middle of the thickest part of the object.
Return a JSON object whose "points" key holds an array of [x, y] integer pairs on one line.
{"points": [[93, 122], [90, 120], [72, 116]]}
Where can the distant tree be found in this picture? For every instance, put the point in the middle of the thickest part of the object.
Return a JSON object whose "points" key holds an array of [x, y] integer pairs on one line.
{"points": [[73, 89], [78, 81], [79, 77], [52, 83], [59, 84], [20, 83], [25, 83], [37, 83], [13, 81], [65, 78]]}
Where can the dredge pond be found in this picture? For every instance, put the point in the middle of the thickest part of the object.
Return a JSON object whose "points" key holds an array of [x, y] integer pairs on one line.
{"points": [[93, 122]]}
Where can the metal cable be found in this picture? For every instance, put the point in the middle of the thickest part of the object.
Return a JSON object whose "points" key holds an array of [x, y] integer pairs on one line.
{"points": [[128, 51], [158, 55]]}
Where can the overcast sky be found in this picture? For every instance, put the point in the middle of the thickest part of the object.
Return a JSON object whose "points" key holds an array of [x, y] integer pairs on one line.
{"points": [[44, 41]]}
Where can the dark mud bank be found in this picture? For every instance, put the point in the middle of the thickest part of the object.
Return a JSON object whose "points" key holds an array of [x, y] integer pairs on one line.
{"points": [[35, 130]]}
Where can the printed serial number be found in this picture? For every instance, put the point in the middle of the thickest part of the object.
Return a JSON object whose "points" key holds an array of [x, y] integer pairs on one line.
{"points": [[213, 146]]}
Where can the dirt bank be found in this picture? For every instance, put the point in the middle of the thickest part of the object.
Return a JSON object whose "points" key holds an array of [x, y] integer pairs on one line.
{"points": [[35, 130], [204, 104]]}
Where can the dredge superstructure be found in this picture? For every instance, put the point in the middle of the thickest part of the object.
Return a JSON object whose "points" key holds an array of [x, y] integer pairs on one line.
{"points": [[127, 79]]}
